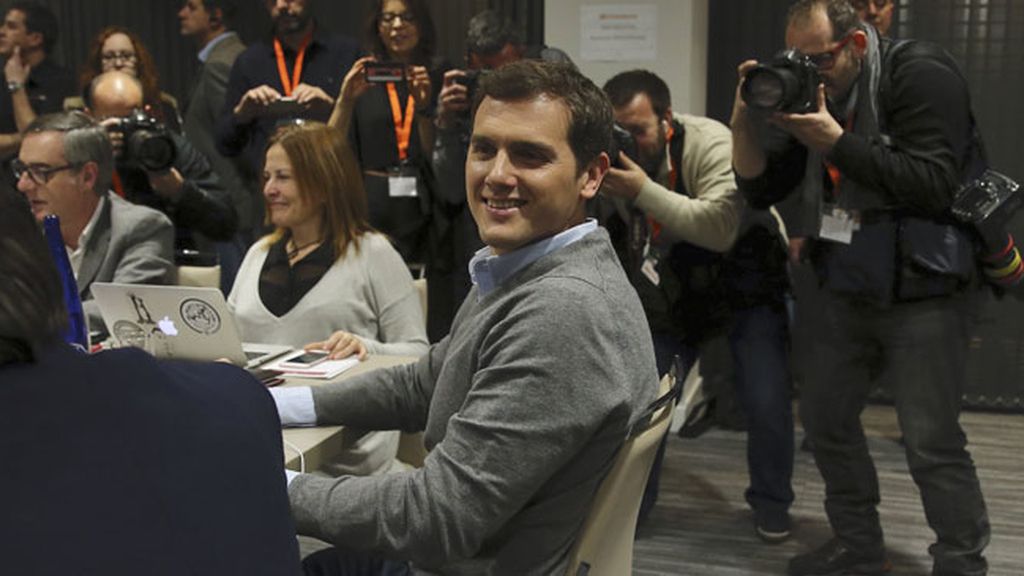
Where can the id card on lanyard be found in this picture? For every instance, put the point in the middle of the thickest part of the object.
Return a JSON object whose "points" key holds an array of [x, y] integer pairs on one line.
{"points": [[838, 223], [402, 179]]}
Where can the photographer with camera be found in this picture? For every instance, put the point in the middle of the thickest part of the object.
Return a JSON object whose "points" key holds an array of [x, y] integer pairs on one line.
{"points": [[879, 143], [159, 168], [684, 235]]}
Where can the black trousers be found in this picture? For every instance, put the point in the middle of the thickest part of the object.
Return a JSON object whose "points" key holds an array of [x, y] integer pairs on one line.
{"points": [[921, 349]]}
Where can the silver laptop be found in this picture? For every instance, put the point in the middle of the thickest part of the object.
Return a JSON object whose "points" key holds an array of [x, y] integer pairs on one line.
{"points": [[181, 322]]}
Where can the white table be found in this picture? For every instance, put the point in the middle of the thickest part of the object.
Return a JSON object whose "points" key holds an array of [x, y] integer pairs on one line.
{"points": [[322, 443]]}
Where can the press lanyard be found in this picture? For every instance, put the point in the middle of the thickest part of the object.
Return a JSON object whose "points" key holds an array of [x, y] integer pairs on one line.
{"points": [[673, 174], [833, 172], [403, 124], [287, 83]]}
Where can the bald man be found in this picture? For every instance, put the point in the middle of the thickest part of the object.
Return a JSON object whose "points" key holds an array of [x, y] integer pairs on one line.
{"points": [[188, 191]]}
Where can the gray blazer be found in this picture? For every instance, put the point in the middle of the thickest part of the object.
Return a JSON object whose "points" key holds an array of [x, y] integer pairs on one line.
{"points": [[202, 109], [130, 244]]}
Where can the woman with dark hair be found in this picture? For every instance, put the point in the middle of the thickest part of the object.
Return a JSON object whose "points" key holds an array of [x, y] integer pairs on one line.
{"points": [[117, 48], [32, 314], [136, 439], [323, 279], [390, 122]]}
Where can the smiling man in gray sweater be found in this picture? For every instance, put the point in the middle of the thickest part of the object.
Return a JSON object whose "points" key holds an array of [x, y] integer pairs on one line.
{"points": [[526, 403]]}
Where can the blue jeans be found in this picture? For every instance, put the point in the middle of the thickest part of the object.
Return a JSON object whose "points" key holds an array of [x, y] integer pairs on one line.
{"points": [[921, 349], [666, 347], [759, 341]]}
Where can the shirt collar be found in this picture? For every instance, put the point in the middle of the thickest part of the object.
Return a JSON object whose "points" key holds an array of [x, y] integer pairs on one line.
{"points": [[489, 271], [204, 54]]}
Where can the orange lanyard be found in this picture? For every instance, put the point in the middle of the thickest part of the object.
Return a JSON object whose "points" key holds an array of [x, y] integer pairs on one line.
{"points": [[287, 83], [673, 174], [833, 172], [403, 124], [116, 182]]}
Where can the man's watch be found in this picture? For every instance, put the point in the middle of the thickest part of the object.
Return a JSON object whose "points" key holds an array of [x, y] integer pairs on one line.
{"points": [[13, 86]]}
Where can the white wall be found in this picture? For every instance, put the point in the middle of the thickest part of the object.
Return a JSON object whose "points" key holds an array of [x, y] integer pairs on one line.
{"points": [[681, 46]]}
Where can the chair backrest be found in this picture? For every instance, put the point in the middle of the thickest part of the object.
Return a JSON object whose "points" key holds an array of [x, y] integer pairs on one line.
{"points": [[420, 284], [605, 544], [199, 276]]}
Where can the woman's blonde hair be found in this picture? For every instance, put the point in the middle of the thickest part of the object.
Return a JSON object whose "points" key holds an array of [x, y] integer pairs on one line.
{"points": [[325, 172]]}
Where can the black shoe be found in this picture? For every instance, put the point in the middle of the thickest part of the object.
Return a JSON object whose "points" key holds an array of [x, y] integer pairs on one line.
{"points": [[835, 559], [771, 526]]}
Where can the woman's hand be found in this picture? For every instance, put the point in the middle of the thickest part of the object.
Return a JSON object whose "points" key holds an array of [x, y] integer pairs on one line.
{"points": [[419, 86], [354, 84], [340, 345]]}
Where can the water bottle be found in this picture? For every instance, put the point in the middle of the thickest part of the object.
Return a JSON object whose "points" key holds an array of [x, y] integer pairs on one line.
{"points": [[77, 334]]}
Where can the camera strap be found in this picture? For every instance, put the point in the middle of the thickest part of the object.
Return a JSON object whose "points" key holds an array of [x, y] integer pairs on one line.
{"points": [[403, 123], [289, 83]]}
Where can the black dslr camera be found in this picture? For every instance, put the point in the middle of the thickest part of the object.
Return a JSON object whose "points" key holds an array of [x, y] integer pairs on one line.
{"points": [[622, 141], [787, 83], [146, 142]]}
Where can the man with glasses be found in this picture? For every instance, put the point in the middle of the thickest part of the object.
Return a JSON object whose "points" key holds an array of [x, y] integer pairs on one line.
{"points": [[295, 75], [890, 140], [64, 167], [35, 85]]}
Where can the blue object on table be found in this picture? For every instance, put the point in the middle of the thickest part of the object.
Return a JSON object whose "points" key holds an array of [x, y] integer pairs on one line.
{"points": [[77, 333]]}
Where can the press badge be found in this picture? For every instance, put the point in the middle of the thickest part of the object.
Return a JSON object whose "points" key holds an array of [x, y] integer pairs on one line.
{"points": [[402, 182], [838, 225], [649, 267]]}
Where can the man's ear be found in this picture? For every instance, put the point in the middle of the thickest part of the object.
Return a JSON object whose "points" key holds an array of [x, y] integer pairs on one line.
{"points": [[667, 117], [859, 40], [593, 175], [89, 174]]}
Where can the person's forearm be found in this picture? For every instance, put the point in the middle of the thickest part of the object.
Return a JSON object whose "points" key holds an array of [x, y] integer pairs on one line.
{"points": [[341, 116], [748, 158], [9, 144], [23, 112]]}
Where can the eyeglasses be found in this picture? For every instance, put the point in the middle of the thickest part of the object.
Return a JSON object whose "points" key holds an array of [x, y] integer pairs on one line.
{"points": [[389, 18], [118, 57], [863, 4], [39, 174], [827, 59]]}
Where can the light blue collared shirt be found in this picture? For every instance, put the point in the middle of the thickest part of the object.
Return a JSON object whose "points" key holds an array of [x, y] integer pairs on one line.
{"points": [[488, 270], [204, 54]]}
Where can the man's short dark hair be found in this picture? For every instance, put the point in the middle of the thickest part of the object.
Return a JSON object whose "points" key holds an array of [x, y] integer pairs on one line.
{"points": [[840, 14], [39, 18], [228, 9], [488, 32], [590, 113], [624, 86], [31, 298]]}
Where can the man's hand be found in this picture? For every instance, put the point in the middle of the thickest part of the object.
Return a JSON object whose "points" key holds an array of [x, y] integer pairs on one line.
{"points": [[112, 126], [167, 184], [312, 98], [740, 119], [15, 70], [340, 345], [254, 102], [453, 101], [625, 182], [419, 85], [817, 130]]}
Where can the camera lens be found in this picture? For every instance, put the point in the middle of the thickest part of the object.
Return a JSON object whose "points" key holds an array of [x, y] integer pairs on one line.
{"points": [[154, 151]]}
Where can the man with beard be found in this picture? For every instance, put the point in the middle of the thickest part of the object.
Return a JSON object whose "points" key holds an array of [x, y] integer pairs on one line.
{"points": [[704, 264], [296, 75]]}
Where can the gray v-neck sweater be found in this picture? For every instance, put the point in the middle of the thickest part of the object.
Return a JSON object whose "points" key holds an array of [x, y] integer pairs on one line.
{"points": [[524, 406]]}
